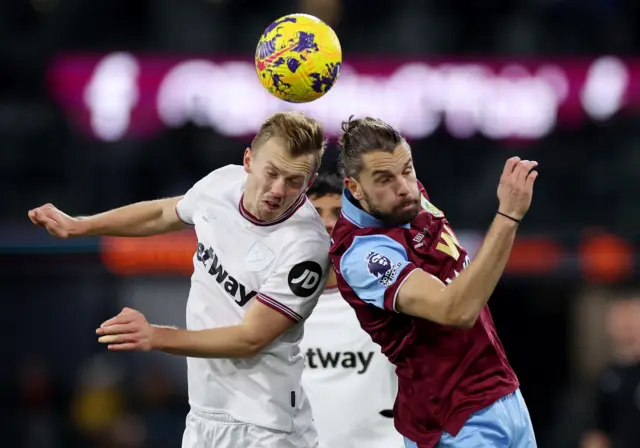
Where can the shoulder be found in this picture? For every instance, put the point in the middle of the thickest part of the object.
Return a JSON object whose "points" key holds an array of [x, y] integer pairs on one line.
{"points": [[372, 255], [343, 233], [363, 245], [306, 230], [225, 183], [222, 176], [228, 173], [301, 245]]}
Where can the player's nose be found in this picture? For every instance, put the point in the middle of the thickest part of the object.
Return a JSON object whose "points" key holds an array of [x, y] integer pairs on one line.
{"points": [[403, 188], [278, 188], [329, 223]]}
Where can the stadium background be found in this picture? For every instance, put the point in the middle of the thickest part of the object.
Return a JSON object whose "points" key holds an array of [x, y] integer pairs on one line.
{"points": [[108, 102]]}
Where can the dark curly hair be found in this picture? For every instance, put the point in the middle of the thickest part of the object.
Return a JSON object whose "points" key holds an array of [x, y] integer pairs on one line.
{"points": [[361, 136], [325, 185]]}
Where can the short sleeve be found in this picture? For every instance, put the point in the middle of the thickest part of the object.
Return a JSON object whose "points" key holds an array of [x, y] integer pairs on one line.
{"points": [[299, 280], [187, 206], [374, 267]]}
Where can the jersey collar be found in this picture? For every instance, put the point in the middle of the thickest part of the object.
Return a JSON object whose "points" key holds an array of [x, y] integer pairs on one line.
{"points": [[282, 218], [355, 215]]}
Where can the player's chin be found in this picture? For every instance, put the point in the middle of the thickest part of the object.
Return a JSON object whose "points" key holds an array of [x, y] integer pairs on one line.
{"points": [[406, 213]]}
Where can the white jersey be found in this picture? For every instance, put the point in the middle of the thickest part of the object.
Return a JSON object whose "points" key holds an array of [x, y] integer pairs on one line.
{"points": [[240, 260], [351, 385]]}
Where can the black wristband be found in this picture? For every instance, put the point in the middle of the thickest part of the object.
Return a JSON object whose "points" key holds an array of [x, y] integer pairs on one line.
{"points": [[509, 217]]}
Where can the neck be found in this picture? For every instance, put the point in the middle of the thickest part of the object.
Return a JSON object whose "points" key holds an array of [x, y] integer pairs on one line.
{"points": [[248, 206], [332, 282]]}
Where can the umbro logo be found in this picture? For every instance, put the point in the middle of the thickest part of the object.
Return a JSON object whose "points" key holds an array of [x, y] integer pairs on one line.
{"points": [[419, 238]]}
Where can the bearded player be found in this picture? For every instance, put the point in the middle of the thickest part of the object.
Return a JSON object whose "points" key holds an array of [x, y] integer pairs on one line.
{"points": [[351, 385], [260, 265], [415, 291]]}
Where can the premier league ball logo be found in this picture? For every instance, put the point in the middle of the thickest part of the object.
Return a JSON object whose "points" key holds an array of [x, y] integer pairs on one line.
{"points": [[381, 268], [377, 264]]}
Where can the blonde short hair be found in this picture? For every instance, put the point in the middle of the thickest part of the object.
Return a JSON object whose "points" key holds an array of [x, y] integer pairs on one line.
{"points": [[300, 134]]}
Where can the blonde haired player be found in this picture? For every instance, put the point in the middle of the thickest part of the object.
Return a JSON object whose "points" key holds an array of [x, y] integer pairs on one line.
{"points": [[351, 385], [260, 265]]}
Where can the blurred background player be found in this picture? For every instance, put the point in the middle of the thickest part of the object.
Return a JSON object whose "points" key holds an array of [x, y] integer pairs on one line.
{"points": [[616, 406], [414, 290], [351, 385], [260, 265]]}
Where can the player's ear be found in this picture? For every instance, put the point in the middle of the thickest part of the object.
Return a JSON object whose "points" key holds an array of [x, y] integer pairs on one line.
{"points": [[246, 160], [311, 181], [354, 188]]}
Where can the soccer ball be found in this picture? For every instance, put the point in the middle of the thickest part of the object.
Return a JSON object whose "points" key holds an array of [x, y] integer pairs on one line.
{"points": [[298, 58]]}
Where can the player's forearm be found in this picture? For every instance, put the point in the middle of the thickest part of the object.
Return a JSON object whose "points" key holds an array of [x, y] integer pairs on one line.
{"points": [[139, 219], [226, 342], [470, 291]]}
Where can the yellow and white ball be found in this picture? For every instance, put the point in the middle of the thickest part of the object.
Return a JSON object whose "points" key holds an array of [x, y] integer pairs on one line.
{"points": [[298, 58]]}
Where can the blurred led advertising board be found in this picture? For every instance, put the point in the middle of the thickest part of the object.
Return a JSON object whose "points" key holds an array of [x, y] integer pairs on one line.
{"points": [[122, 95]]}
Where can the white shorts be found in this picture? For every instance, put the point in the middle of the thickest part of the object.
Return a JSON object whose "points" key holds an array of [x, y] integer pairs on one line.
{"points": [[220, 430]]}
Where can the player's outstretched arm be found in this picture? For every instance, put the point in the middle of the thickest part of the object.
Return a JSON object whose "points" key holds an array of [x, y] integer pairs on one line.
{"points": [[287, 298], [260, 327], [130, 331], [461, 302], [140, 219]]}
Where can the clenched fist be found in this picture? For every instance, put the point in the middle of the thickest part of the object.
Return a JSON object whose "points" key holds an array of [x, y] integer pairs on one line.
{"points": [[128, 331], [516, 187], [57, 223]]}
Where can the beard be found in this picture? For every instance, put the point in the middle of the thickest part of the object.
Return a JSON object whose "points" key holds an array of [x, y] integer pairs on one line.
{"points": [[398, 216]]}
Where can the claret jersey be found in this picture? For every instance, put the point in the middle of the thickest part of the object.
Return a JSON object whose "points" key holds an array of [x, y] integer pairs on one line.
{"points": [[444, 373]]}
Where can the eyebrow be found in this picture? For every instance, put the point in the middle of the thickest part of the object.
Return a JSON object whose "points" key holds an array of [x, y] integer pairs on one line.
{"points": [[378, 172], [288, 175]]}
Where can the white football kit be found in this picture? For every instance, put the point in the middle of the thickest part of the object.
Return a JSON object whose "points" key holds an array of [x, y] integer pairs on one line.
{"points": [[257, 401], [350, 383]]}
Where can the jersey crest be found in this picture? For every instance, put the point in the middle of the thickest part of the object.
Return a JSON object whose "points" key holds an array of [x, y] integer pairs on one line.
{"points": [[429, 207], [259, 257]]}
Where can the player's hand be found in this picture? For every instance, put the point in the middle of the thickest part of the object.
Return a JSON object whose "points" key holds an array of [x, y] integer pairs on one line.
{"points": [[516, 187], [128, 331], [57, 223]]}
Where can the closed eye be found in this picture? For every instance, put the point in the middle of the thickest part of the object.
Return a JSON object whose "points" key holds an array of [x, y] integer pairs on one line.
{"points": [[297, 182]]}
